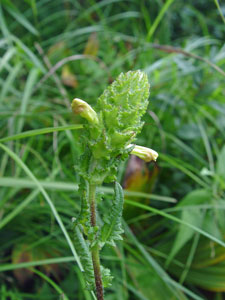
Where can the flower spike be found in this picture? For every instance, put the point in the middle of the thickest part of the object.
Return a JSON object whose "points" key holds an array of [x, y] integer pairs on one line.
{"points": [[107, 140]]}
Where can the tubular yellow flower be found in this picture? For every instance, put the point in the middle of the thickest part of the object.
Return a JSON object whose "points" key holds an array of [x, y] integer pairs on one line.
{"points": [[144, 153], [83, 109]]}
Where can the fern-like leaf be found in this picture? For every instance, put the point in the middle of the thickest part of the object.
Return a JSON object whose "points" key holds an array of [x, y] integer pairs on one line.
{"points": [[84, 253], [112, 228], [106, 277], [84, 216]]}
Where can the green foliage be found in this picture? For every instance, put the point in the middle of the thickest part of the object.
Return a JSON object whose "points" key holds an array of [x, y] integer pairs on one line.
{"points": [[112, 228], [84, 253], [194, 217], [119, 111], [110, 130], [220, 166], [184, 122], [85, 214], [106, 277]]}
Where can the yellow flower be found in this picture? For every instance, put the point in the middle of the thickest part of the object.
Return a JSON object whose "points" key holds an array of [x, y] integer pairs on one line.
{"points": [[83, 109], [144, 153]]}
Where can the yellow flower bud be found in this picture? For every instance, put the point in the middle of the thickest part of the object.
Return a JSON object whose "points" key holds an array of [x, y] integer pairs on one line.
{"points": [[83, 109], [144, 153]]}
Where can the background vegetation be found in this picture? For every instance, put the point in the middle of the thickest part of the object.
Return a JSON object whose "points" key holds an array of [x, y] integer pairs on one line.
{"points": [[53, 51]]}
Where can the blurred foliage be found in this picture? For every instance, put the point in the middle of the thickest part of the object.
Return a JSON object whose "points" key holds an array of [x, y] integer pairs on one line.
{"points": [[53, 51]]}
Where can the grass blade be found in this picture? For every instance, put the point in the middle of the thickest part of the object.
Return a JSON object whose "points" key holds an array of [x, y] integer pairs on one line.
{"points": [[33, 58], [9, 81], [47, 198], [8, 55], [20, 18], [27, 93], [158, 19], [51, 282], [220, 10], [9, 267], [70, 186], [168, 216], [35, 132], [165, 277], [18, 209]]}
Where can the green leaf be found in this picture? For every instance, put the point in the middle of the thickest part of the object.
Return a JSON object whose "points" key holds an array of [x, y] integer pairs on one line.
{"points": [[211, 221], [33, 58], [158, 19], [112, 228], [40, 131], [6, 58], [85, 215], [220, 166], [177, 220], [194, 217], [149, 261], [20, 163], [185, 233], [14, 12], [71, 186], [106, 277], [85, 256], [51, 282], [31, 80], [210, 278], [151, 284], [196, 197]]}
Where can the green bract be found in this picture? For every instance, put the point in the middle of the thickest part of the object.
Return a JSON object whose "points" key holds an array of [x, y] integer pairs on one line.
{"points": [[119, 110]]}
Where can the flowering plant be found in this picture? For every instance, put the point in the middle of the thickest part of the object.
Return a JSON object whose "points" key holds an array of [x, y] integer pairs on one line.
{"points": [[110, 132]]}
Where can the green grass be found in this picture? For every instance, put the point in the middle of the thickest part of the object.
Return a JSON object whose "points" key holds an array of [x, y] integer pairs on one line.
{"points": [[173, 247]]}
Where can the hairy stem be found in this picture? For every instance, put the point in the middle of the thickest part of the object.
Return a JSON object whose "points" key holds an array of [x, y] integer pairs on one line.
{"points": [[92, 190], [97, 272], [95, 249]]}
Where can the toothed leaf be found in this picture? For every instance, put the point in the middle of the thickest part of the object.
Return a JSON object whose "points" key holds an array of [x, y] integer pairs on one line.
{"points": [[85, 215], [112, 228], [106, 277], [84, 254]]}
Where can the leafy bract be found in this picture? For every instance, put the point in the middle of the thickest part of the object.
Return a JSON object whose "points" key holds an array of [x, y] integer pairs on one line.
{"points": [[117, 122]]}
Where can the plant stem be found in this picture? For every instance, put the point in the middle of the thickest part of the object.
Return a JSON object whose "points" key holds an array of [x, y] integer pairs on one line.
{"points": [[92, 191], [97, 272], [95, 249]]}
